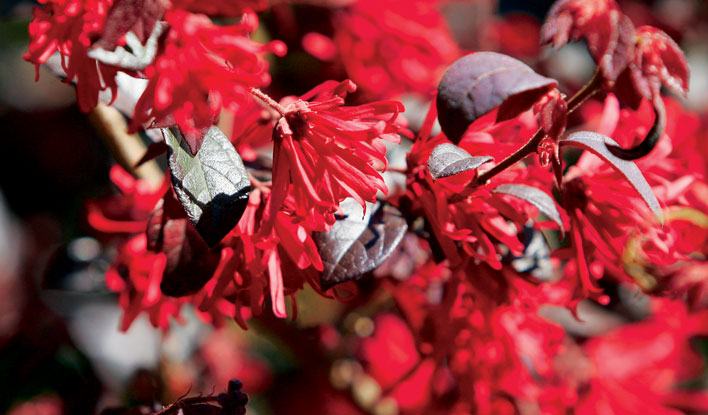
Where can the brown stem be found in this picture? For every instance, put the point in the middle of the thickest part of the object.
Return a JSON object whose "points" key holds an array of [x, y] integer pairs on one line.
{"points": [[181, 403], [586, 92], [530, 147], [127, 149], [268, 100]]}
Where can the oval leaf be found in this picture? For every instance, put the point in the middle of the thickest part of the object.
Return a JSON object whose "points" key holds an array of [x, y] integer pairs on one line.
{"points": [[212, 186], [189, 263], [537, 197], [359, 243], [448, 159], [480, 82], [597, 144]]}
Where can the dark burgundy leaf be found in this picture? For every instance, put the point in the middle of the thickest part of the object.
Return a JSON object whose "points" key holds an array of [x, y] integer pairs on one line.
{"points": [[358, 243], [137, 16], [631, 87], [537, 197], [480, 82], [448, 159], [597, 144], [189, 263], [558, 25], [153, 151], [212, 186], [647, 145]]}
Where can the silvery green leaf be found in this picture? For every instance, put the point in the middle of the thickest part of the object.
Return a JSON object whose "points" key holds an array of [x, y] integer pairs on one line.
{"points": [[139, 56], [213, 185], [448, 159], [537, 197], [597, 144]]}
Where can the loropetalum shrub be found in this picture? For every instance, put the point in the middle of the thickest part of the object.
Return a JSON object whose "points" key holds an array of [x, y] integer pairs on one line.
{"points": [[296, 196]]}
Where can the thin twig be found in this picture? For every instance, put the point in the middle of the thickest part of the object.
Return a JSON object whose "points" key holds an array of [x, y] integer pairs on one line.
{"points": [[530, 147], [127, 149]]}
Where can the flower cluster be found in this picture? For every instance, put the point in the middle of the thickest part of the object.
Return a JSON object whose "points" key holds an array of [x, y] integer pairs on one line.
{"points": [[197, 68], [526, 213]]}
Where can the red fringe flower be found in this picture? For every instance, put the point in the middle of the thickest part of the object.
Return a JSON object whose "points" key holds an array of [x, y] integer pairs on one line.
{"points": [[325, 152], [202, 69], [69, 27]]}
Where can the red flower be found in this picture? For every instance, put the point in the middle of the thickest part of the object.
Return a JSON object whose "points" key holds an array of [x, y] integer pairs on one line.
{"points": [[252, 129], [640, 367], [257, 265], [471, 226], [226, 8], [604, 209], [136, 274], [392, 359], [394, 47], [202, 69], [127, 212], [325, 152], [69, 27]]}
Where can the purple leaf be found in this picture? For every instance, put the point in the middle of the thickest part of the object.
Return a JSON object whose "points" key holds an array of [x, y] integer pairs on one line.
{"points": [[480, 82], [448, 159], [359, 243], [537, 197], [597, 144], [652, 138], [189, 263]]}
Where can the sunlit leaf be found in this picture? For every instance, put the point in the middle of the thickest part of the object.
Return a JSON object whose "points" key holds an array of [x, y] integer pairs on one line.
{"points": [[480, 82], [537, 197], [448, 159], [213, 186], [135, 56], [597, 144]]}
